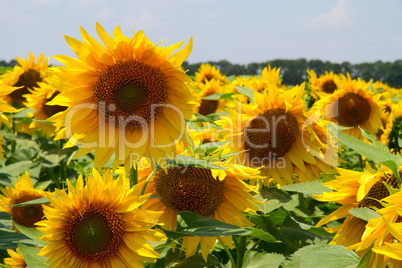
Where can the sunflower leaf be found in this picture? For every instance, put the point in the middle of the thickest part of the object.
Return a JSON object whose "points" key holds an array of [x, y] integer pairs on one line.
{"points": [[38, 201], [256, 259], [32, 233], [377, 154], [249, 93], [261, 235], [31, 257], [309, 187], [184, 160], [364, 214], [219, 96]]}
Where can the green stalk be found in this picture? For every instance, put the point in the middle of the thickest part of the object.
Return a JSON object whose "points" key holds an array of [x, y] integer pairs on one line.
{"points": [[232, 261], [133, 175], [241, 250], [146, 182]]}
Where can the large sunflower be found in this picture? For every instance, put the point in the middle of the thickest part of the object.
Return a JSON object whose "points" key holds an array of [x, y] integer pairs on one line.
{"points": [[207, 72], [352, 190], [37, 100], [275, 133], [352, 106], [214, 193], [128, 98], [23, 191], [23, 77], [99, 225]]}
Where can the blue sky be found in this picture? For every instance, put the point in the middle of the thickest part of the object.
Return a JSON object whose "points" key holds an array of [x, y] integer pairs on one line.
{"points": [[238, 31]]}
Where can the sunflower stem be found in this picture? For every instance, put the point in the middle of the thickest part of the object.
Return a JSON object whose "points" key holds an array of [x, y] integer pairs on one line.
{"points": [[241, 249], [62, 163], [146, 182], [133, 176], [231, 259]]}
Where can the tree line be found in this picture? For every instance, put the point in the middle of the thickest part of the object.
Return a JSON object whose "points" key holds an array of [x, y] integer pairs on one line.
{"points": [[294, 71]]}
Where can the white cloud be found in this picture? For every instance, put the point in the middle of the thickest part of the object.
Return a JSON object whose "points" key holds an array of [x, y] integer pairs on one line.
{"points": [[106, 13], [340, 15]]}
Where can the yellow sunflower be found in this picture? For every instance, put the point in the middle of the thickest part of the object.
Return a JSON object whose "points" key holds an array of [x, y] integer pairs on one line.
{"points": [[352, 106], [99, 225], [383, 234], [23, 77], [5, 108], [219, 194], [23, 191], [276, 134], [327, 83], [352, 190], [207, 72], [391, 136], [37, 100], [209, 88], [15, 260], [130, 98]]}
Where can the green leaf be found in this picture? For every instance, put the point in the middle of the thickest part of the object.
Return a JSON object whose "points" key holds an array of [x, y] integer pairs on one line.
{"points": [[32, 233], [253, 259], [330, 255], [309, 187], [186, 160], [364, 214], [373, 139], [275, 193], [249, 93], [260, 234], [377, 154], [178, 259], [23, 113], [219, 96], [190, 224], [199, 118], [38, 201], [18, 168], [8, 239], [31, 258]]}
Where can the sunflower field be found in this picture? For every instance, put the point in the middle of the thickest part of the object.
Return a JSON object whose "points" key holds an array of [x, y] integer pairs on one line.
{"points": [[118, 158]]}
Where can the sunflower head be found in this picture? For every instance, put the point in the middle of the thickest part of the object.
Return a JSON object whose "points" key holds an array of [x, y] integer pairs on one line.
{"points": [[326, 84], [23, 191], [15, 260], [391, 135], [127, 98], [24, 77], [99, 224], [209, 88], [207, 72]]}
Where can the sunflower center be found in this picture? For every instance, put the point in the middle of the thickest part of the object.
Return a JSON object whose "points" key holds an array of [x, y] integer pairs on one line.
{"points": [[28, 80], [269, 136], [208, 107], [28, 215], [130, 93], [95, 234], [329, 86], [51, 110], [189, 189], [353, 110], [378, 192]]}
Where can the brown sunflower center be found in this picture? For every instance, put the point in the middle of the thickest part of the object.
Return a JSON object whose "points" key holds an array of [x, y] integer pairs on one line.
{"points": [[28, 80], [189, 189], [208, 107], [28, 215], [329, 86], [353, 110], [51, 110], [128, 93], [95, 234], [269, 136], [379, 191], [208, 77]]}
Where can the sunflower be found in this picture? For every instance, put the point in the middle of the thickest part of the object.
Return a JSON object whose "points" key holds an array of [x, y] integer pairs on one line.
{"points": [[207, 72], [23, 191], [209, 88], [99, 225], [327, 83], [15, 260], [130, 98], [275, 133], [353, 190], [36, 101], [23, 77], [391, 136], [383, 234], [219, 194], [352, 106], [5, 108]]}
